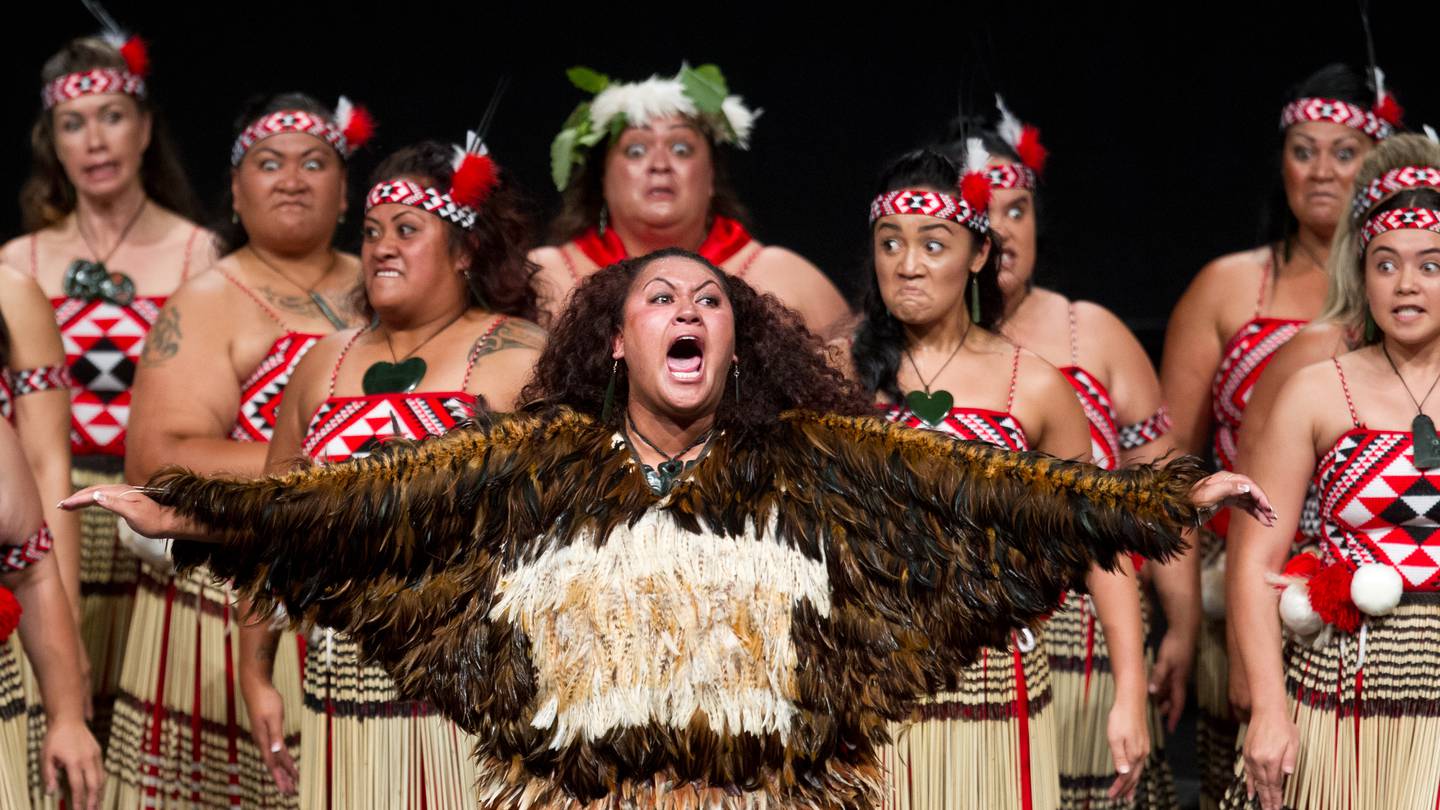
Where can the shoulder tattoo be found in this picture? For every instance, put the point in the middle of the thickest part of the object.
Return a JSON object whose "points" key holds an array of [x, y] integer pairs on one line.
{"points": [[512, 334], [162, 342]]}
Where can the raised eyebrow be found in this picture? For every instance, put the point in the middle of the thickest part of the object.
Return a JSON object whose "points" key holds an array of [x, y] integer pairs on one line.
{"points": [[667, 282], [706, 283], [937, 226], [888, 225]]}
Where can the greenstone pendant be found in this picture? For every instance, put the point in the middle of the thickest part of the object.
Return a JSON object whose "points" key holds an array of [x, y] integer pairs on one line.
{"points": [[393, 378], [1427, 444], [932, 407]]}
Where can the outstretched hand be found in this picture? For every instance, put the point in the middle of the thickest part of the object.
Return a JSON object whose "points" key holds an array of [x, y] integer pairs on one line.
{"points": [[135, 507], [1215, 492]]}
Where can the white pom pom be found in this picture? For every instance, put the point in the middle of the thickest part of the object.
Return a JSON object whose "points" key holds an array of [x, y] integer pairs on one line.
{"points": [[1376, 588], [1212, 590], [1297, 614]]}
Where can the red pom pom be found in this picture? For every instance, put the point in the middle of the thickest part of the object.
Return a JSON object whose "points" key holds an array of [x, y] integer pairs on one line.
{"points": [[975, 190], [137, 56], [1330, 596], [1303, 566], [474, 180], [9, 613], [360, 128], [1032, 154], [1389, 110]]}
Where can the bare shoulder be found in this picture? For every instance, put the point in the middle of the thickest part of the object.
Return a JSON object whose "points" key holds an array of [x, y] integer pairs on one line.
{"points": [[19, 290], [1104, 328], [1315, 342], [16, 252], [1234, 275], [515, 333], [1036, 378], [772, 264]]}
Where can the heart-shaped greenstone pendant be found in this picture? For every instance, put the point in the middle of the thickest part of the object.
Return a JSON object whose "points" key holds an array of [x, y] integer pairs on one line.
{"points": [[393, 378], [932, 407]]}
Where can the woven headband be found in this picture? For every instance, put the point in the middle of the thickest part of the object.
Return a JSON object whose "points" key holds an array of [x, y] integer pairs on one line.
{"points": [[1405, 177], [1011, 175], [351, 128], [931, 204], [413, 194], [1335, 111], [1399, 219], [129, 80]]}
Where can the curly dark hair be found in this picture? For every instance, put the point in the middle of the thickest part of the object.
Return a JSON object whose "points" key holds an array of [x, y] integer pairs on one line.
{"points": [[500, 270], [783, 365], [230, 232], [881, 338], [581, 201], [48, 196]]}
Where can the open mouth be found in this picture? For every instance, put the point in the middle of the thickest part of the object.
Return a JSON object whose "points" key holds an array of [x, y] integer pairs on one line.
{"points": [[685, 358], [100, 170]]}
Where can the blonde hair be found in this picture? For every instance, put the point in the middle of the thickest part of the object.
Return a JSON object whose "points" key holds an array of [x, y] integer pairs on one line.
{"points": [[1345, 301]]}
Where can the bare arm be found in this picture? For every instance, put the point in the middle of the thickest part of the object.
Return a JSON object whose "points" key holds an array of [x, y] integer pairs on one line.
{"points": [[1192, 355], [49, 636], [1282, 464], [508, 356], [42, 419], [801, 286], [552, 283], [187, 390]]}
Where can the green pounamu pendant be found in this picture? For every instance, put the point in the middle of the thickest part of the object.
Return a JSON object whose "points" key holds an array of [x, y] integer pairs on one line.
{"points": [[1427, 444], [932, 407], [393, 378]]}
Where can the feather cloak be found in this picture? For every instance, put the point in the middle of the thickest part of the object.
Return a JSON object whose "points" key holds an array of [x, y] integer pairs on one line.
{"points": [[739, 642]]}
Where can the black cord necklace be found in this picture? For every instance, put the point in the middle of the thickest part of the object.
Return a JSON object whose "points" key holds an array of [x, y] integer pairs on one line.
{"points": [[933, 406], [402, 375], [663, 476], [89, 280], [1422, 427], [315, 298]]}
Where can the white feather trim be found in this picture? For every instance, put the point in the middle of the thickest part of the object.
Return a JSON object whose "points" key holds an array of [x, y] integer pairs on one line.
{"points": [[1430, 133], [1379, 85], [473, 146], [343, 112], [115, 38], [1010, 126], [640, 102], [740, 118], [975, 155]]}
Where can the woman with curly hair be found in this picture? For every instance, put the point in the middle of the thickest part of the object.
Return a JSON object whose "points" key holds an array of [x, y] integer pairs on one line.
{"points": [[691, 575], [446, 292]]}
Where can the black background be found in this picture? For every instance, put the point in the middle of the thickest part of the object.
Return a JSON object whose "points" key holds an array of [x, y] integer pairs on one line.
{"points": [[1161, 123]]}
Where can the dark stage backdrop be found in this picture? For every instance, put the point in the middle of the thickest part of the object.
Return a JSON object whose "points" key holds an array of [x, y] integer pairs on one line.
{"points": [[1161, 124]]}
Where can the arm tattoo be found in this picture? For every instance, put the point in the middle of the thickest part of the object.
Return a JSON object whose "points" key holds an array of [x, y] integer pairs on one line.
{"points": [[163, 340], [511, 335]]}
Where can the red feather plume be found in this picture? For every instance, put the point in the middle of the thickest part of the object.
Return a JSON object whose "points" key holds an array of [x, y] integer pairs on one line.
{"points": [[474, 180], [1031, 152], [975, 190], [1389, 110], [137, 56], [1330, 597], [1304, 566], [9, 613], [360, 129]]}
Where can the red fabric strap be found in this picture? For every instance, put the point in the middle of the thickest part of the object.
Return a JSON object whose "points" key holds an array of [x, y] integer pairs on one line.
{"points": [[726, 238]]}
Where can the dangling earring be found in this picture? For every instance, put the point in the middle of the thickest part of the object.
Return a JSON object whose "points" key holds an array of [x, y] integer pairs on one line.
{"points": [[341, 219], [974, 298], [609, 404], [735, 372], [604, 218], [234, 217], [1372, 329]]}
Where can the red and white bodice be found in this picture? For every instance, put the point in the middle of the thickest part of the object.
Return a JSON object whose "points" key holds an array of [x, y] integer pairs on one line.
{"points": [[1242, 361], [1376, 507], [103, 341], [999, 428], [343, 428], [261, 392], [1100, 413]]}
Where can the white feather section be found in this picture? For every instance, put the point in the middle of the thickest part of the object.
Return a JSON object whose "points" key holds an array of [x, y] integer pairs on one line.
{"points": [[660, 624], [473, 146], [1010, 126], [640, 102], [344, 110], [114, 37], [1379, 84], [975, 155], [740, 118], [1430, 133]]}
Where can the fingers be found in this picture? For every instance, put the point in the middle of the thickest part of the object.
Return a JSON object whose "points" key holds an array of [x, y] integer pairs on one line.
{"points": [[94, 773], [75, 776], [271, 738], [47, 773], [285, 772], [1176, 707]]}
